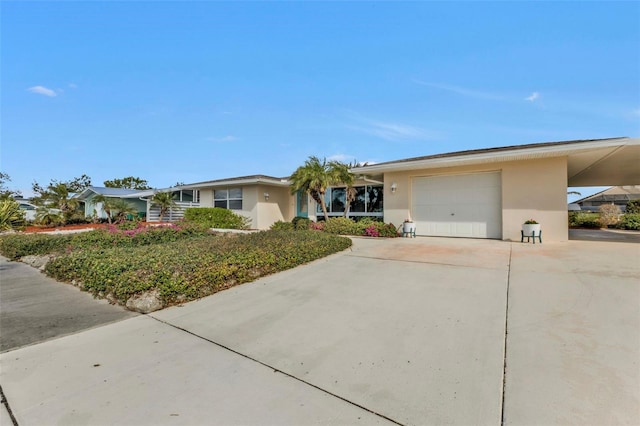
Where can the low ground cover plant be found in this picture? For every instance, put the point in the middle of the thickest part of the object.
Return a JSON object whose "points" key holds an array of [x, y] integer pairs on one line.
{"points": [[15, 246], [191, 268]]}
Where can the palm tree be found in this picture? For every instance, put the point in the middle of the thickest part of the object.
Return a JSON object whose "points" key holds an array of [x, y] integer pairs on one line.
{"points": [[106, 204], [48, 217], [122, 209], [316, 176], [164, 200], [58, 196], [344, 176]]}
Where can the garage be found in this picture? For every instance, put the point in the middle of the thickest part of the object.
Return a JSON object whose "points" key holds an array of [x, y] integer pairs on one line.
{"points": [[465, 205]]}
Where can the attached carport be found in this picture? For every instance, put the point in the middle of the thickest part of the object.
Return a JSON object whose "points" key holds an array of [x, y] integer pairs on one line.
{"points": [[489, 193]]}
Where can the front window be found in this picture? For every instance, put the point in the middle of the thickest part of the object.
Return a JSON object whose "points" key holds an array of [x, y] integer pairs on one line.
{"points": [[368, 201], [228, 198]]}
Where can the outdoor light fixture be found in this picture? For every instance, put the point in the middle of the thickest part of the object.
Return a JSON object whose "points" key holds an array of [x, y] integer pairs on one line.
{"points": [[266, 196], [394, 186]]}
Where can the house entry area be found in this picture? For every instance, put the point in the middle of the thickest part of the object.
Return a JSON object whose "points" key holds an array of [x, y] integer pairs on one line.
{"points": [[466, 205]]}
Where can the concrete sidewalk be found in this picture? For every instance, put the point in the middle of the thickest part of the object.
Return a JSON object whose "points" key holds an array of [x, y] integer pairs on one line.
{"points": [[405, 331]]}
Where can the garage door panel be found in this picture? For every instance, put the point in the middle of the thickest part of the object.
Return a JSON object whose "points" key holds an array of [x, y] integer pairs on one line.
{"points": [[458, 205]]}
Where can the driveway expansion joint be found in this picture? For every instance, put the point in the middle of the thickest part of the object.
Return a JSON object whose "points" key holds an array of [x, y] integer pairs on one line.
{"points": [[4, 402], [277, 370], [421, 262], [506, 332]]}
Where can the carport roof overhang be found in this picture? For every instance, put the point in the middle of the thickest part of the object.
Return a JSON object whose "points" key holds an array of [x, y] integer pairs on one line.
{"points": [[597, 162]]}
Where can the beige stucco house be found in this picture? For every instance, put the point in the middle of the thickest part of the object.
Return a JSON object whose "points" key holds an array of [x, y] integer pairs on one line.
{"points": [[485, 193], [489, 193], [262, 199]]}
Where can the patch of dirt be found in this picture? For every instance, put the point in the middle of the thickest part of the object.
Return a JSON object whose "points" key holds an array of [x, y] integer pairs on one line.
{"points": [[36, 229]]}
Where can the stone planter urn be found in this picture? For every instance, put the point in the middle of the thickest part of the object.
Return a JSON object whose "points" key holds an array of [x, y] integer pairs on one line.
{"points": [[408, 229], [531, 229]]}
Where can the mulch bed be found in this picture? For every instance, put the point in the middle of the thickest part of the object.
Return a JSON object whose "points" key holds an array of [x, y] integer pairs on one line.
{"points": [[35, 229]]}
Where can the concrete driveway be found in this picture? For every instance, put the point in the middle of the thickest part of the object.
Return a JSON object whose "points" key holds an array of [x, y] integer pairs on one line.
{"points": [[404, 331]]}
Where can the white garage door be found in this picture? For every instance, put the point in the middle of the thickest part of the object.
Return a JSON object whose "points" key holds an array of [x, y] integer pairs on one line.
{"points": [[458, 205]]}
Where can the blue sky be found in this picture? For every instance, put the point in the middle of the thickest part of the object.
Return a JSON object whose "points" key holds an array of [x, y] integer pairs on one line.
{"points": [[193, 91]]}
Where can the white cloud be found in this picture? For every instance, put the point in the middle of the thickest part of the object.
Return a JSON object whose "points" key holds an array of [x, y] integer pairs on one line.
{"points": [[228, 138], [392, 131], [472, 93], [636, 112], [73, 86], [533, 97], [41, 90]]}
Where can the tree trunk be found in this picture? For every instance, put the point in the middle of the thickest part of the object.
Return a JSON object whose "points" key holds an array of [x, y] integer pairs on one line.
{"points": [[323, 205]]}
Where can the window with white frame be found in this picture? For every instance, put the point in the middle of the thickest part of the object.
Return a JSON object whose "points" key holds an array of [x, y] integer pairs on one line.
{"points": [[230, 198]]}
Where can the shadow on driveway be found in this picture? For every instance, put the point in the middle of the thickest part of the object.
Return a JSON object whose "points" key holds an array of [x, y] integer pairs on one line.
{"points": [[608, 235], [35, 308]]}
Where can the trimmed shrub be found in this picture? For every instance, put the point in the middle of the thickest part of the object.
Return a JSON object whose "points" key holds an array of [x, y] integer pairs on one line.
{"points": [[341, 226], [282, 226], [630, 221], [194, 268], [584, 220], [216, 217], [633, 206], [301, 223], [380, 229]]}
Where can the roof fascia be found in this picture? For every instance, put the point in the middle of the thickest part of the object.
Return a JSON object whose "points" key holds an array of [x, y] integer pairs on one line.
{"points": [[229, 182], [496, 156]]}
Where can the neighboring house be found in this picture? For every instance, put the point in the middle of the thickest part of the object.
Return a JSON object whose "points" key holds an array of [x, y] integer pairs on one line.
{"points": [[618, 195], [134, 197], [140, 200], [28, 208]]}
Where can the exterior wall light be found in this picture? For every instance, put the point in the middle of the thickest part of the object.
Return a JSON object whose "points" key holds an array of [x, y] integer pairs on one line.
{"points": [[266, 196], [394, 186]]}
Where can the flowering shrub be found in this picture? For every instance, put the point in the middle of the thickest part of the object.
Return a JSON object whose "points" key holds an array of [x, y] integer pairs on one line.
{"points": [[316, 226], [371, 231]]}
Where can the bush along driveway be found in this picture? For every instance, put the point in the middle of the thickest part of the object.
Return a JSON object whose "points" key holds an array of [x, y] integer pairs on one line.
{"points": [[148, 269]]}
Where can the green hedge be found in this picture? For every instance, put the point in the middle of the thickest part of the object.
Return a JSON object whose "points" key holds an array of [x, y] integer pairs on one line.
{"points": [[15, 246], [584, 220], [193, 268], [630, 221], [341, 226], [215, 217], [633, 206]]}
